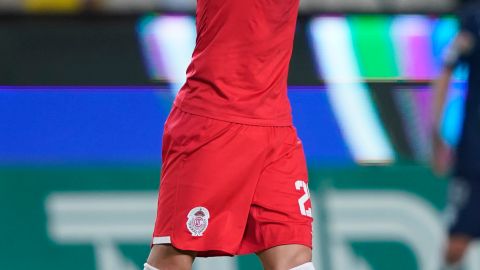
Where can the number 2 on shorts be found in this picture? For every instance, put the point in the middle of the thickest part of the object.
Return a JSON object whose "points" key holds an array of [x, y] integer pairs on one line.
{"points": [[301, 202]]}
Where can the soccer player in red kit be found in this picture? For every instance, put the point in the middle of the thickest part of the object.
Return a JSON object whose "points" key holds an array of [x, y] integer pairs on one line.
{"points": [[234, 177]]}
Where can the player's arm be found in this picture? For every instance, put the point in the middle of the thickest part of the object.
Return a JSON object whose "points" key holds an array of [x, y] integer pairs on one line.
{"points": [[460, 47]]}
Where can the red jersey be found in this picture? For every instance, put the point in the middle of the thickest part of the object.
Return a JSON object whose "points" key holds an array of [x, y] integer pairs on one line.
{"points": [[239, 68]]}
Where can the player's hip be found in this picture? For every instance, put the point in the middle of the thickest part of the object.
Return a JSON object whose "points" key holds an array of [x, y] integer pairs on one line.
{"points": [[187, 133]]}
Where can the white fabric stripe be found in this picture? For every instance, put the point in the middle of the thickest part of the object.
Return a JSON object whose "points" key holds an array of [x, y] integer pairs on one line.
{"points": [[306, 266], [149, 267], [224, 263], [162, 240]]}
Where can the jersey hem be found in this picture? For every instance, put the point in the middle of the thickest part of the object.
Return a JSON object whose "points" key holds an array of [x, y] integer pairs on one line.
{"points": [[238, 119]]}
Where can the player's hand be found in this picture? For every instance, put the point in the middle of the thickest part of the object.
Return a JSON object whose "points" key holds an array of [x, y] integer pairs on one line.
{"points": [[441, 155]]}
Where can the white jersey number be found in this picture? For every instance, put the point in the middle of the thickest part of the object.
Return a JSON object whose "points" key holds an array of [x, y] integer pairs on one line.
{"points": [[304, 199]]}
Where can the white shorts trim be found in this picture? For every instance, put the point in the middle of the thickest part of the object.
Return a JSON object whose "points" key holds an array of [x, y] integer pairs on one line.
{"points": [[162, 240], [149, 267], [306, 266]]}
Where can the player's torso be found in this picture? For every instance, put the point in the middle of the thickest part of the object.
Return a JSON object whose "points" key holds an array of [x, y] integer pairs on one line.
{"points": [[240, 64], [468, 154]]}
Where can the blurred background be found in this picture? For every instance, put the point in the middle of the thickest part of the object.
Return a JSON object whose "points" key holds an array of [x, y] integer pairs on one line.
{"points": [[86, 85]]}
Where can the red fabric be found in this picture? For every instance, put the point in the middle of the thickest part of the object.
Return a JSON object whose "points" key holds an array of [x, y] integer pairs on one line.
{"points": [[245, 176], [240, 64]]}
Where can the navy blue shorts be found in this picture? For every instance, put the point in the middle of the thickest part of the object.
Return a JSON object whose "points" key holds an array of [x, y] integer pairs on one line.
{"points": [[464, 207]]}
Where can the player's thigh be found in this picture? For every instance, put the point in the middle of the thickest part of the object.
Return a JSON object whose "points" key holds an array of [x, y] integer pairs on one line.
{"points": [[205, 195], [168, 257], [284, 182], [281, 211], [285, 257]]}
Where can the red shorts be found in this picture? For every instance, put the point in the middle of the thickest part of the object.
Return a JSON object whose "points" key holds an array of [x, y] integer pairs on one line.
{"points": [[230, 189]]}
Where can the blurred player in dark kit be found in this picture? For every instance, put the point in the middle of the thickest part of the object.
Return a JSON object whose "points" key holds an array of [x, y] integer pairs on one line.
{"points": [[464, 191], [234, 177]]}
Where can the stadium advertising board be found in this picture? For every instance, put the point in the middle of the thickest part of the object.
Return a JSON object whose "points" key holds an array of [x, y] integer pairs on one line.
{"points": [[82, 184], [189, 5], [79, 166]]}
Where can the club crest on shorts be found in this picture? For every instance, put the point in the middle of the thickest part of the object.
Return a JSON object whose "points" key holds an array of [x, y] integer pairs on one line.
{"points": [[198, 220]]}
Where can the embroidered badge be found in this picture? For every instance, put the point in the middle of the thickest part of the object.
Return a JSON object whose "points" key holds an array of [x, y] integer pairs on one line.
{"points": [[197, 221]]}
